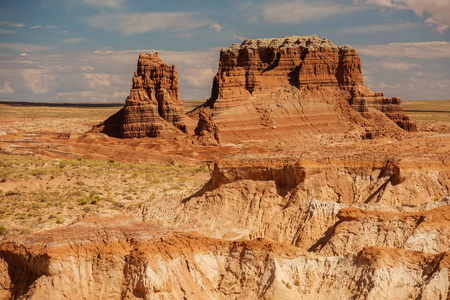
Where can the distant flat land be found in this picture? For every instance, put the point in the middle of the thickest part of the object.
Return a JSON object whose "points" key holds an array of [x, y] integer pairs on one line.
{"points": [[191, 104], [63, 117], [428, 110], [56, 117], [79, 117]]}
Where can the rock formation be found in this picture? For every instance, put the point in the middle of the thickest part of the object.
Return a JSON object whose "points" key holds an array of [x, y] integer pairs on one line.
{"points": [[297, 201], [116, 257], [153, 108], [290, 88]]}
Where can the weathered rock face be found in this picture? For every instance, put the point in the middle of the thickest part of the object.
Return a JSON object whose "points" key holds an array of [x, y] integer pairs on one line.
{"points": [[115, 257], [293, 87], [298, 201], [363, 99], [207, 130], [153, 107]]}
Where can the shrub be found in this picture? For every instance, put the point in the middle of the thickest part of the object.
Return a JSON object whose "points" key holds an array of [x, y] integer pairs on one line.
{"points": [[11, 193], [25, 231], [3, 231], [95, 199]]}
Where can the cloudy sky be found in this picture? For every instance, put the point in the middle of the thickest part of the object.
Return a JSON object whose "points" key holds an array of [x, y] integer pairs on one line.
{"points": [[86, 50]]}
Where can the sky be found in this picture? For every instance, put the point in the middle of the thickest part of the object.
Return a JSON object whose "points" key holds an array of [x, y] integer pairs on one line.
{"points": [[87, 50]]}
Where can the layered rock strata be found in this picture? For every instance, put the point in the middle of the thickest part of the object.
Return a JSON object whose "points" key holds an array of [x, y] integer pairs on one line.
{"points": [[294, 87], [116, 257], [153, 108], [297, 202]]}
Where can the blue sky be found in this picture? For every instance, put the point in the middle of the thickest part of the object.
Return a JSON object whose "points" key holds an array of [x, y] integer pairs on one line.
{"points": [[86, 50]]}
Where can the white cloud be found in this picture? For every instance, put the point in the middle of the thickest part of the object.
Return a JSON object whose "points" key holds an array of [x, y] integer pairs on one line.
{"points": [[413, 71], [398, 65], [215, 26], [73, 40], [135, 23], [435, 49], [12, 24], [377, 28], [438, 10], [38, 81], [36, 27], [20, 47], [96, 80], [89, 76], [239, 37], [6, 89], [6, 31], [113, 4], [198, 78], [120, 95], [302, 11], [253, 19]]}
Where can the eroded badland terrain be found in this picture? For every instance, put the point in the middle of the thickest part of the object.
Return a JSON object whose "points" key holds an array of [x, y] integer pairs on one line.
{"points": [[292, 181]]}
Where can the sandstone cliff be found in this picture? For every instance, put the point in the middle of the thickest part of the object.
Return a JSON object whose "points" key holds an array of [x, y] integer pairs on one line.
{"points": [[153, 108], [295, 87], [118, 258]]}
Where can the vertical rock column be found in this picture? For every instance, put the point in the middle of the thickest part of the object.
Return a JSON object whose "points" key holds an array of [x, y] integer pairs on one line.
{"points": [[153, 107]]}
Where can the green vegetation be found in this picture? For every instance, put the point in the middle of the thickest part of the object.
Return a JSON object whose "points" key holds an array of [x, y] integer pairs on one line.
{"points": [[38, 193]]}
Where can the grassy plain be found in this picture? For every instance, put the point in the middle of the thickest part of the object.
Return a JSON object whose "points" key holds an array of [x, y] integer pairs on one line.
{"points": [[37, 193], [56, 117], [429, 110]]}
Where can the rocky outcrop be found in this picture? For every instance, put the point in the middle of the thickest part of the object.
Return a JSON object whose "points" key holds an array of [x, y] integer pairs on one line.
{"points": [[207, 130], [363, 98], [153, 108], [294, 87], [297, 201], [427, 231], [115, 257]]}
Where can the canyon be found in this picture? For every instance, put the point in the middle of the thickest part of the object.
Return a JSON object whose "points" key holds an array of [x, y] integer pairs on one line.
{"points": [[318, 188]]}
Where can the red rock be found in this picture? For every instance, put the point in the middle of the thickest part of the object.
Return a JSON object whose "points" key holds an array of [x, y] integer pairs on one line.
{"points": [[291, 88], [207, 129], [153, 108]]}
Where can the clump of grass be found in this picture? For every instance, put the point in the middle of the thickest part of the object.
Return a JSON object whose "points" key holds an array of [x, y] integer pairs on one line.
{"points": [[26, 231], [11, 193], [3, 231]]}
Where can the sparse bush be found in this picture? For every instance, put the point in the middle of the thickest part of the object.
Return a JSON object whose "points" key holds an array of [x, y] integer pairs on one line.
{"points": [[37, 172], [83, 201], [11, 193], [95, 199], [25, 231], [3, 231]]}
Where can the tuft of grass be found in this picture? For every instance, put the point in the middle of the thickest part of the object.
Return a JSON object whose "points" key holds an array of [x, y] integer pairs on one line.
{"points": [[3, 231]]}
